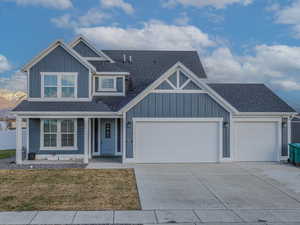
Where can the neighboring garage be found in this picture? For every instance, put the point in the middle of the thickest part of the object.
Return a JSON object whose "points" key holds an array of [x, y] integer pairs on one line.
{"points": [[257, 140], [177, 140]]}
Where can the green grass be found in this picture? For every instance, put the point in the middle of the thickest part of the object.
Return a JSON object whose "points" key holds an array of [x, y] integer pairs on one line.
{"points": [[7, 153]]}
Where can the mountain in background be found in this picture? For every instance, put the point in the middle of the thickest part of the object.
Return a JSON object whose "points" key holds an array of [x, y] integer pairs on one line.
{"points": [[8, 100]]}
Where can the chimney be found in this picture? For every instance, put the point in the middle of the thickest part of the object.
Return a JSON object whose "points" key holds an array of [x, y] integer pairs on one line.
{"points": [[124, 58]]}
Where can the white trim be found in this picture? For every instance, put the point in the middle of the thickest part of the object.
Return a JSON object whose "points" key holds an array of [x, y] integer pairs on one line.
{"points": [[99, 134], [247, 114], [278, 120], [58, 147], [59, 156], [110, 73], [59, 86], [178, 91], [170, 83], [124, 136], [85, 41], [94, 58], [93, 138], [19, 140], [86, 140], [53, 46], [90, 138], [116, 138], [68, 114], [108, 92], [186, 71], [59, 99], [27, 138], [219, 120], [185, 83]]}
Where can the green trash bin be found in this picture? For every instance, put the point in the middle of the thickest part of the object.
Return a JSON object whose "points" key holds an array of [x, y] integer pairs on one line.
{"points": [[291, 153], [297, 153]]}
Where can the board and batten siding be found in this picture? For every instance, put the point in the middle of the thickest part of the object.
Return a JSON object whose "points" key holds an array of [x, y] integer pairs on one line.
{"points": [[59, 60], [177, 105], [34, 139], [295, 134], [85, 51]]}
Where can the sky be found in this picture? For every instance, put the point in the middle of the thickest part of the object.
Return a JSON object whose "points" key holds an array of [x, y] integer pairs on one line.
{"points": [[237, 40]]}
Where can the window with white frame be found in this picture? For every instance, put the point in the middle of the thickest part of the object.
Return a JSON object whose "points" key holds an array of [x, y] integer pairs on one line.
{"points": [[59, 134], [107, 84], [59, 85]]}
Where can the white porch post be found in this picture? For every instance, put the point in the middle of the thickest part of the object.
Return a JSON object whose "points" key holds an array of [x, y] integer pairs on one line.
{"points": [[90, 139], [86, 140], [19, 140]]}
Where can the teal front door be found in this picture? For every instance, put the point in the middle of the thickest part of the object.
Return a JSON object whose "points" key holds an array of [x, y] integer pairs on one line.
{"points": [[108, 137]]}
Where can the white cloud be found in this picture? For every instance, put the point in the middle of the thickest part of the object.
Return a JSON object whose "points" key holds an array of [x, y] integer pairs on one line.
{"points": [[288, 85], [56, 4], [289, 15], [92, 17], [16, 82], [4, 64], [218, 4], [153, 35], [277, 65], [126, 7]]}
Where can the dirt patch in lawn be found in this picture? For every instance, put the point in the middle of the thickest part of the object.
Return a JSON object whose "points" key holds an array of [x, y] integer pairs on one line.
{"points": [[68, 189]]}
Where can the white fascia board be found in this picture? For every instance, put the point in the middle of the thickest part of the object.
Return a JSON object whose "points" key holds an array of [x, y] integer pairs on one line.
{"points": [[265, 114], [53, 46], [111, 73], [67, 114], [189, 73], [87, 42]]}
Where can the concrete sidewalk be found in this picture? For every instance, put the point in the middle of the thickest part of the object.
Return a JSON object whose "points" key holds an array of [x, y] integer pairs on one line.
{"points": [[226, 216]]}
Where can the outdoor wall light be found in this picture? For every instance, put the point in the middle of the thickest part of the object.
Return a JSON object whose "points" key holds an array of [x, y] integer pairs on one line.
{"points": [[284, 124], [128, 124], [225, 124]]}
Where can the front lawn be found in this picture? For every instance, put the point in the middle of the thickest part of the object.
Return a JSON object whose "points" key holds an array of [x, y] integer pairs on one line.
{"points": [[68, 189], [7, 153]]}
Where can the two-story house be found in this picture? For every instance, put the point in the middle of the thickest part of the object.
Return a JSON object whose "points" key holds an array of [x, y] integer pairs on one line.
{"points": [[147, 107]]}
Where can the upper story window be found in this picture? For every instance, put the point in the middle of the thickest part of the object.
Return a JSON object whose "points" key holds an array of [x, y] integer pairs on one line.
{"points": [[59, 85], [107, 84]]}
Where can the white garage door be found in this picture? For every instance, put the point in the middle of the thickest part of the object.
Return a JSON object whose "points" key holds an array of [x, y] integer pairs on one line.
{"points": [[177, 141], [257, 141]]}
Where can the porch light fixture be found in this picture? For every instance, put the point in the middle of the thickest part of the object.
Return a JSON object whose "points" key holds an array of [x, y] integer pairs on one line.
{"points": [[284, 125], [128, 124], [225, 124]]}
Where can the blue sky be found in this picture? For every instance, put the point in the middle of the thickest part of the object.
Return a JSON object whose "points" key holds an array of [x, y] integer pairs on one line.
{"points": [[237, 40]]}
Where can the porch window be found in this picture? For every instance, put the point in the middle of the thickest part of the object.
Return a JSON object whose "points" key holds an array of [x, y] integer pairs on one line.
{"points": [[59, 85], [59, 134]]}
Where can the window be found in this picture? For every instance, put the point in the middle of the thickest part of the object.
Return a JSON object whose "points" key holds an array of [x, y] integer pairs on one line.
{"points": [[59, 134], [107, 130], [107, 84], [59, 85]]}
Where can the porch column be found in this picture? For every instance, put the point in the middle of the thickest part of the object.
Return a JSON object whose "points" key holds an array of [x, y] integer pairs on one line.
{"points": [[86, 140], [19, 140]]}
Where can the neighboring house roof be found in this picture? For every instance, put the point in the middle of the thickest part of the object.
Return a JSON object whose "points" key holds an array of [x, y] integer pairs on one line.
{"points": [[251, 97]]}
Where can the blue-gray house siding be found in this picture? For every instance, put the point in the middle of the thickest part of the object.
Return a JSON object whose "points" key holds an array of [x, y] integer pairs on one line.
{"points": [[295, 131], [284, 150], [34, 139], [59, 60], [177, 105], [84, 50]]}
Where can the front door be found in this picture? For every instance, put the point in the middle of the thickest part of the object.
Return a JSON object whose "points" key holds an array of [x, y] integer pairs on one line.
{"points": [[108, 137]]}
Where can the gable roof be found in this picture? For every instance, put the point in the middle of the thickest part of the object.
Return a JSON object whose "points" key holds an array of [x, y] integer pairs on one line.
{"points": [[53, 46], [84, 40], [251, 97]]}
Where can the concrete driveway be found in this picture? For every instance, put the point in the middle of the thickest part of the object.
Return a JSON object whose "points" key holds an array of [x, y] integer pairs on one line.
{"points": [[219, 186]]}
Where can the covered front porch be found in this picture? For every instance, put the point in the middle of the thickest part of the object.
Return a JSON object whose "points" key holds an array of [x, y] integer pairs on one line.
{"points": [[70, 138]]}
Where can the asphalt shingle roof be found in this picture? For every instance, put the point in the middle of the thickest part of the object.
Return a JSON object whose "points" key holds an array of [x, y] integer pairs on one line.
{"points": [[251, 97]]}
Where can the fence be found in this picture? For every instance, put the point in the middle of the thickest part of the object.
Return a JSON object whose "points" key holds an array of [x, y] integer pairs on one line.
{"points": [[8, 139]]}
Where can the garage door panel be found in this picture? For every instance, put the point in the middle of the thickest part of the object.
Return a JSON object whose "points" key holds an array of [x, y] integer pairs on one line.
{"points": [[256, 141], [169, 141]]}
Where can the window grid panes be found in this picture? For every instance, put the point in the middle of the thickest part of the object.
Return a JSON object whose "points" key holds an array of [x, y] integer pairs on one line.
{"points": [[59, 133], [60, 85], [107, 83]]}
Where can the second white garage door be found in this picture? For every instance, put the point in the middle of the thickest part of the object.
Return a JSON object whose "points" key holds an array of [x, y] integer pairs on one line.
{"points": [[171, 140], [257, 141]]}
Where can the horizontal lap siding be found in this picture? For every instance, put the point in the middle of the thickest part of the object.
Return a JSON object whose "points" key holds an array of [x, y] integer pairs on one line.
{"points": [[34, 139], [59, 60], [179, 105]]}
